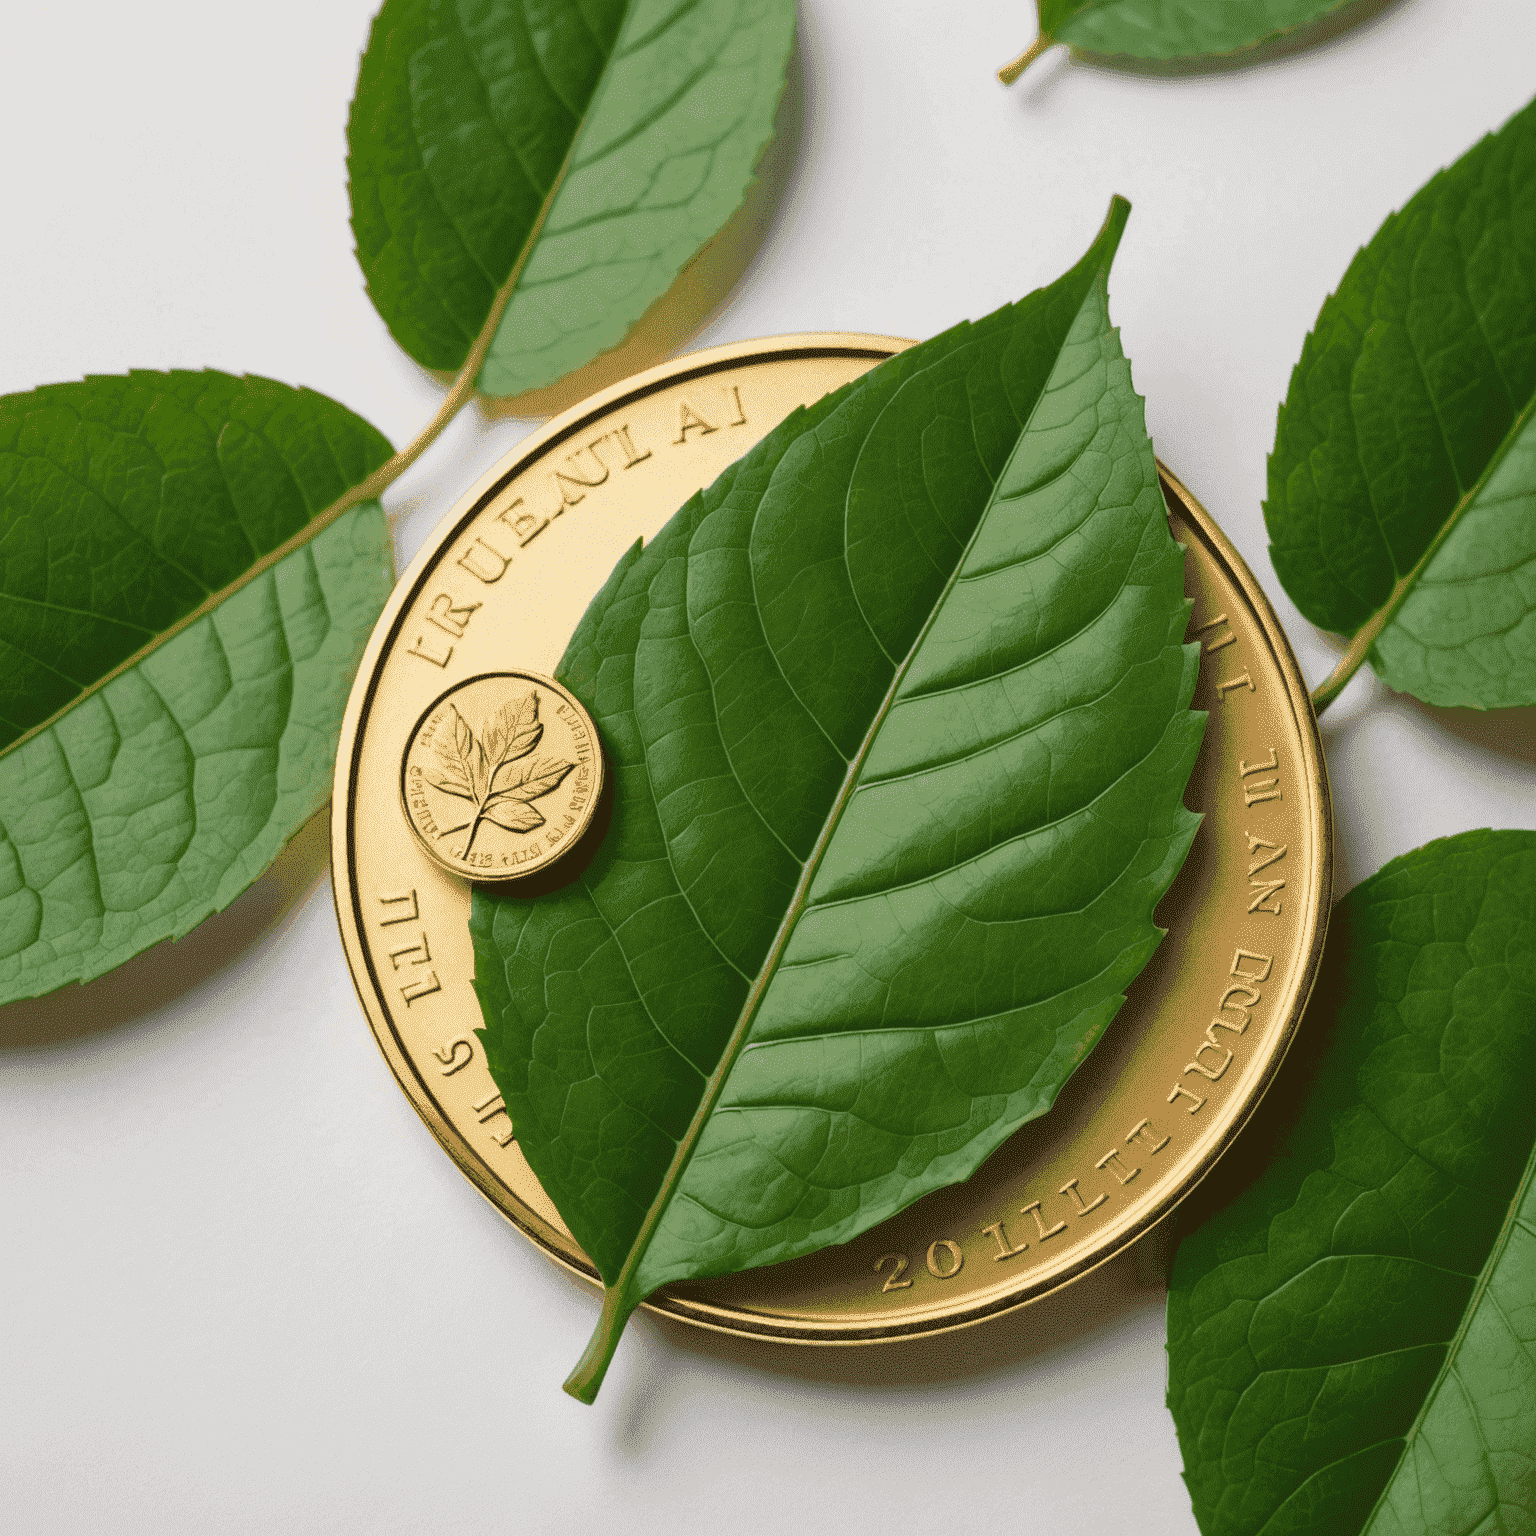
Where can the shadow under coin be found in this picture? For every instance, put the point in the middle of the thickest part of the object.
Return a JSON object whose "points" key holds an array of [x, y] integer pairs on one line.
{"points": [[1131, 1280], [572, 864], [700, 288], [170, 969]]}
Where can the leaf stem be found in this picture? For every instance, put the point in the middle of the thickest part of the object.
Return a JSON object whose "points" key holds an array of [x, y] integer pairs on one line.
{"points": [[1369, 632], [474, 830], [585, 1380], [1011, 72], [1349, 663]]}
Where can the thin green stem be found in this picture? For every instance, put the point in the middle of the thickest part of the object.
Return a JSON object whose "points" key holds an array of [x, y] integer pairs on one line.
{"points": [[584, 1381], [1349, 663], [1011, 72]]}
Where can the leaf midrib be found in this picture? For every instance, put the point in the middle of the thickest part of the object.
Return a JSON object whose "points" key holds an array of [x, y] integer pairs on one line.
{"points": [[1474, 1301], [1039, 829], [1370, 632], [359, 493], [370, 488], [715, 1084]]}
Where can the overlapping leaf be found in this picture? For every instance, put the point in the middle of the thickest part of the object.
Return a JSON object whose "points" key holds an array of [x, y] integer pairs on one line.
{"points": [[1170, 29], [179, 635], [1402, 488], [1352, 1340], [898, 717], [564, 159]]}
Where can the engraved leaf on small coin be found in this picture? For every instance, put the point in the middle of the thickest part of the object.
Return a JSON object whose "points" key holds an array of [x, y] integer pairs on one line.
{"points": [[490, 772]]}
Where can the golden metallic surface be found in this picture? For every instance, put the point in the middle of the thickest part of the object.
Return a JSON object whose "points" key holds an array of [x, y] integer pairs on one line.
{"points": [[501, 776], [1202, 1032]]}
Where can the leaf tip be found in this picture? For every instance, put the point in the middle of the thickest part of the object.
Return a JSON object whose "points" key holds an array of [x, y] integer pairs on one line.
{"points": [[1100, 256], [1114, 225]]}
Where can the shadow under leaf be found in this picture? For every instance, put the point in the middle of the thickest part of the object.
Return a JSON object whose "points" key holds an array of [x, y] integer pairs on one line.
{"points": [[1262, 1139], [699, 289], [1505, 732], [1134, 1278], [167, 971]]}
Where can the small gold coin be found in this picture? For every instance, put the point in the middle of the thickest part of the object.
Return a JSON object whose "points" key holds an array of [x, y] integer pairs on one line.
{"points": [[501, 775]]}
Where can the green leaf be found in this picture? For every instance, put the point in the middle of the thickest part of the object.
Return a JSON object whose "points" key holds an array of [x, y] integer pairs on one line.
{"points": [[1402, 487], [1168, 29], [1352, 1340], [898, 717], [532, 179], [179, 627]]}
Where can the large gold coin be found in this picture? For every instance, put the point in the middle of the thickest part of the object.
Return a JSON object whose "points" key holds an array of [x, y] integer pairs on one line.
{"points": [[502, 586], [501, 775]]}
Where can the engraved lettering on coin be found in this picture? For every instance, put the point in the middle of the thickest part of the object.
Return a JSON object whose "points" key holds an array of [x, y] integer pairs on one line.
{"points": [[999, 1234], [1255, 791], [452, 1061], [1043, 1231], [501, 775], [1265, 855], [1083, 1206], [1145, 1132], [488, 1109], [948, 1268], [1221, 633], [403, 899]]}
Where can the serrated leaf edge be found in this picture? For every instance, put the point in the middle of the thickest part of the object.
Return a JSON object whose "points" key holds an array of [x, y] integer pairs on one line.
{"points": [[587, 1377]]}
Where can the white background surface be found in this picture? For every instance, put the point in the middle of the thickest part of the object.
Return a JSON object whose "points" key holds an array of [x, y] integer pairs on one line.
{"points": [[243, 1290]]}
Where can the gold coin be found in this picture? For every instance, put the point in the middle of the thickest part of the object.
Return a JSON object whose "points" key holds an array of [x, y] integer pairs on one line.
{"points": [[501, 775], [1198, 1041]]}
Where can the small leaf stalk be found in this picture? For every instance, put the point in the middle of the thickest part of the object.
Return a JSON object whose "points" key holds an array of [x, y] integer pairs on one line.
{"points": [[1349, 663], [1011, 71], [583, 1383]]}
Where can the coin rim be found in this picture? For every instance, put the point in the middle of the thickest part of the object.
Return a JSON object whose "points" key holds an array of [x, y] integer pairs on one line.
{"points": [[568, 424], [572, 837]]}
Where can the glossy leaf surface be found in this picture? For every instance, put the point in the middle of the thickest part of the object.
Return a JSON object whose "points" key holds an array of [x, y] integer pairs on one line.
{"points": [[1171, 29], [176, 656], [1352, 1340], [898, 716], [1402, 487], [578, 151]]}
